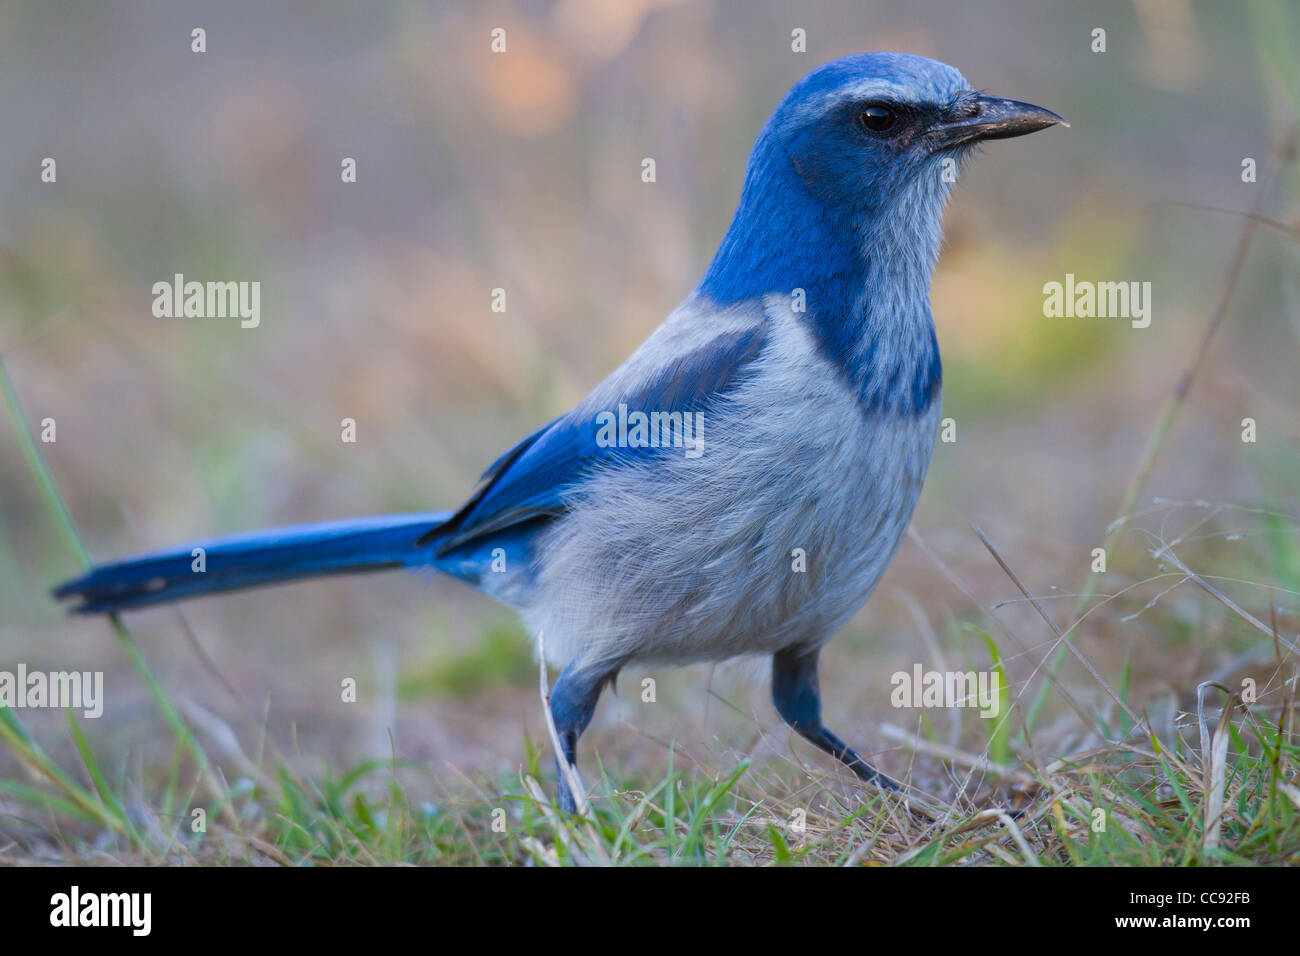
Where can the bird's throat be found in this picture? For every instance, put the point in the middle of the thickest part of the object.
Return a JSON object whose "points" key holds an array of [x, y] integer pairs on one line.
{"points": [[862, 289]]}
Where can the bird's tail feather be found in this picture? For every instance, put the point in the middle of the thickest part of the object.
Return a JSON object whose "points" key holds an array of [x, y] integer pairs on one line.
{"points": [[269, 556]]}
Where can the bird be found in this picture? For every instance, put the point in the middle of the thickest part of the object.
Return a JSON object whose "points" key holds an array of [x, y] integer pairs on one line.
{"points": [[738, 485]]}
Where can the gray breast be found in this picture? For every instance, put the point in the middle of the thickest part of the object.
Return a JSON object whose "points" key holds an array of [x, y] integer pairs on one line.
{"points": [[773, 537]]}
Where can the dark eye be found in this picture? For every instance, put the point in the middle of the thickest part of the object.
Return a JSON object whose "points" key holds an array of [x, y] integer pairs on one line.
{"points": [[877, 118]]}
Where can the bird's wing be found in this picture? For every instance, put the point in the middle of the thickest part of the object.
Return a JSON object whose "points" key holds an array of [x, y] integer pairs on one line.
{"points": [[538, 477]]}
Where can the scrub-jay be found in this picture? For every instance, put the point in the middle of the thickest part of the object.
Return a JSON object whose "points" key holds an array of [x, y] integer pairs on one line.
{"points": [[741, 482]]}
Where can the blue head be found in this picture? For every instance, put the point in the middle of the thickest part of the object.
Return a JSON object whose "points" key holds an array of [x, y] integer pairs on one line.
{"points": [[843, 198]]}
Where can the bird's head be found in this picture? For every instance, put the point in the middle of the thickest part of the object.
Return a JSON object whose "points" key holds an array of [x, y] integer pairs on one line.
{"points": [[865, 131], [856, 163]]}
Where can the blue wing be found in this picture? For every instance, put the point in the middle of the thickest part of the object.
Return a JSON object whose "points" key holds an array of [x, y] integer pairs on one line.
{"points": [[535, 480]]}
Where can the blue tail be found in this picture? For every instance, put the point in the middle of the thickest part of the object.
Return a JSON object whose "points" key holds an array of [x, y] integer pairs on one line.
{"points": [[248, 560]]}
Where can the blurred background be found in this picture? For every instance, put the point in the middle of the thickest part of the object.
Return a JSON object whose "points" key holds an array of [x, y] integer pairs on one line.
{"points": [[522, 171]]}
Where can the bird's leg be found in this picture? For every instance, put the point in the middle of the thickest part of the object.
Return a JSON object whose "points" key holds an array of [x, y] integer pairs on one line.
{"points": [[573, 702], [799, 702]]}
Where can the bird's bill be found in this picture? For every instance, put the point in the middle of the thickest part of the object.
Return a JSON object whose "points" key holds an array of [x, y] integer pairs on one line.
{"points": [[979, 117]]}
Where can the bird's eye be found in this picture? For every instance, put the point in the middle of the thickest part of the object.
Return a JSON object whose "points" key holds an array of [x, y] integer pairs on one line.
{"points": [[877, 118]]}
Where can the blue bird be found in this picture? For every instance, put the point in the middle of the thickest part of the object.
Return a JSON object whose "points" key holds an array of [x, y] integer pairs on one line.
{"points": [[741, 482]]}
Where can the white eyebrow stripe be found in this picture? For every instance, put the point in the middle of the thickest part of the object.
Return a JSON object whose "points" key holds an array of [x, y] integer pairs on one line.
{"points": [[875, 88], [866, 90]]}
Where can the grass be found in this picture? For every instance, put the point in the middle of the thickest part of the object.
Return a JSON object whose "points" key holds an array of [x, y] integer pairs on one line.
{"points": [[1133, 803], [1130, 796]]}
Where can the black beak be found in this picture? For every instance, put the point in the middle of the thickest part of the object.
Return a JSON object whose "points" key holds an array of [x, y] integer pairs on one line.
{"points": [[978, 117]]}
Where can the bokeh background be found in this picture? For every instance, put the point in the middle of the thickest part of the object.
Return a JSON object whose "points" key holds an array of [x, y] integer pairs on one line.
{"points": [[522, 171]]}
